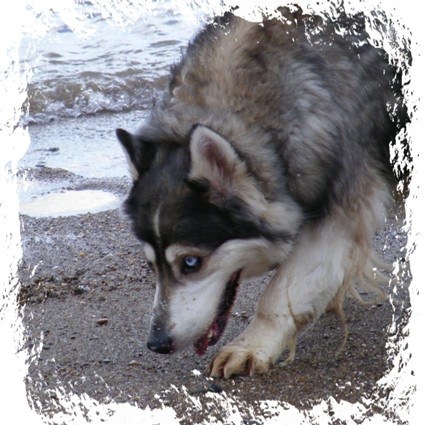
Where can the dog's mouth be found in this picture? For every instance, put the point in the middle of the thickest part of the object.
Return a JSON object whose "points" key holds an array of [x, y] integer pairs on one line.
{"points": [[215, 331]]}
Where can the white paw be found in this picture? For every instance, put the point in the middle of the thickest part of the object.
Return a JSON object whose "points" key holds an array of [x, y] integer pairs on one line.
{"points": [[236, 359], [257, 348]]}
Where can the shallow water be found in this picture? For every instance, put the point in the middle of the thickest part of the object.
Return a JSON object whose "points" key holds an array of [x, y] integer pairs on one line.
{"points": [[70, 202], [82, 88], [114, 69], [86, 146]]}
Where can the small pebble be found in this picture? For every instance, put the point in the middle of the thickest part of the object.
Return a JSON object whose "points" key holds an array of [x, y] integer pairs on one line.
{"points": [[215, 388], [103, 321], [212, 388], [81, 289]]}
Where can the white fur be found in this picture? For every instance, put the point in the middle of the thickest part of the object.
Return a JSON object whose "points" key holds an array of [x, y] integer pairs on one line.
{"points": [[149, 252], [198, 295], [156, 225], [303, 286], [131, 166], [192, 307], [301, 289]]}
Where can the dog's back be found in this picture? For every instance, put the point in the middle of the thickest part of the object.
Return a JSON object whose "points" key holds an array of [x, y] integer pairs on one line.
{"points": [[316, 94]]}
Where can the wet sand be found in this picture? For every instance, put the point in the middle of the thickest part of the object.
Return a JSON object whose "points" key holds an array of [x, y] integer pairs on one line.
{"points": [[86, 299]]}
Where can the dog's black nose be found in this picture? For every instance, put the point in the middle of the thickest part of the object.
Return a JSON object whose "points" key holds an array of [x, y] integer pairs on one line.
{"points": [[160, 342]]}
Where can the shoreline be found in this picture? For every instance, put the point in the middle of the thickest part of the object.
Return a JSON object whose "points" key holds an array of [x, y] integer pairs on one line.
{"points": [[44, 182]]}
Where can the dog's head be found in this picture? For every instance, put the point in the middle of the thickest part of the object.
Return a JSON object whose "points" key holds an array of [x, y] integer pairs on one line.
{"points": [[204, 225]]}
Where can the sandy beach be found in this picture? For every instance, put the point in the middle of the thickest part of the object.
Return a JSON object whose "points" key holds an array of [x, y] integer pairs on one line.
{"points": [[86, 299]]}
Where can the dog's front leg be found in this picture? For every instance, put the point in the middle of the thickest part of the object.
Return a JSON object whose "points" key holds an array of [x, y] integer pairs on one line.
{"points": [[271, 330], [324, 259]]}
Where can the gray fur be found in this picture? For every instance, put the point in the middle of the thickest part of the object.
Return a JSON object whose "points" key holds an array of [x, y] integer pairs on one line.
{"points": [[265, 132], [315, 105]]}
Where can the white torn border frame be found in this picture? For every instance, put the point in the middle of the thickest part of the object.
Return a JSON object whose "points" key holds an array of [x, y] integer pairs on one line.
{"points": [[20, 17]]}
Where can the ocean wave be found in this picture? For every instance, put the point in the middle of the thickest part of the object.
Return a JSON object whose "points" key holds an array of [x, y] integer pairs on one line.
{"points": [[90, 94], [113, 69]]}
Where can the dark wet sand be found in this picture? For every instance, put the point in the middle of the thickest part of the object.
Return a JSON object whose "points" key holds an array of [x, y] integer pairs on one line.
{"points": [[87, 295]]}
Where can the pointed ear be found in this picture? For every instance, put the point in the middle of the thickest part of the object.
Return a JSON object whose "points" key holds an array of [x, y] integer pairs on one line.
{"points": [[139, 154], [215, 161]]}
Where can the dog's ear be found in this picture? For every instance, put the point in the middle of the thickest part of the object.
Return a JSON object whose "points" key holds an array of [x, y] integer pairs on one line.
{"points": [[139, 153], [215, 161]]}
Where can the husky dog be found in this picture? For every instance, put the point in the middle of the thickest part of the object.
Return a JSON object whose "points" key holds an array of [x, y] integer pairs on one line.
{"points": [[268, 151]]}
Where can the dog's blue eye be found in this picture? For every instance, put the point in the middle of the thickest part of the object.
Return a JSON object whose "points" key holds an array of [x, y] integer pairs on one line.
{"points": [[191, 263]]}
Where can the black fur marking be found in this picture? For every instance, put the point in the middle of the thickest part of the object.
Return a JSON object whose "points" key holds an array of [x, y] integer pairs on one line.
{"points": [[140, 152], [185, 213]]}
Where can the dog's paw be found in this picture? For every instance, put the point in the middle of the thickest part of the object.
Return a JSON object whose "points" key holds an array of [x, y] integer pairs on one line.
{"points": [[238, 360]]}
